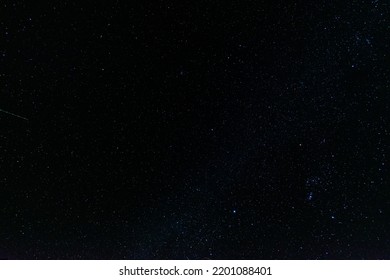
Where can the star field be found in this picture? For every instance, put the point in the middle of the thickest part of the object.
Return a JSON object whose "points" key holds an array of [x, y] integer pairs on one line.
{"points": [[194, 130]]}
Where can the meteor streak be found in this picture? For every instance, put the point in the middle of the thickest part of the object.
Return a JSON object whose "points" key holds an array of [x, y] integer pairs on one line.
{"points": [[12, 114]]}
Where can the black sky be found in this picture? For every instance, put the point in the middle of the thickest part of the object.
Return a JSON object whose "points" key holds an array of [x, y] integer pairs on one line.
{"points": [[195, 129]]}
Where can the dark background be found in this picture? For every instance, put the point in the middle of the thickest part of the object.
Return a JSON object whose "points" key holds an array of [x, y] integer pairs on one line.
{"points": [[195, 129]]}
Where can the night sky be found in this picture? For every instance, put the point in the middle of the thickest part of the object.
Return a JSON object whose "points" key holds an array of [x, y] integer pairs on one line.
{"points": [[195, 130]]}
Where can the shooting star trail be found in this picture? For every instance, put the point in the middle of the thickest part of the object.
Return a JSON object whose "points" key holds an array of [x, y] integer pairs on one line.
{"points": [[12, 114]]}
